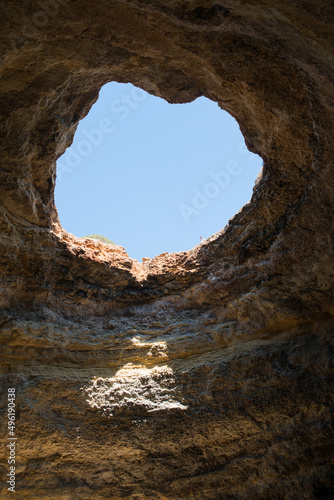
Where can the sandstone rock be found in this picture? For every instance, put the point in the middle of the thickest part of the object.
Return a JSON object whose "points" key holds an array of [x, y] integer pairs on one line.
{"points": [[200, 375]]}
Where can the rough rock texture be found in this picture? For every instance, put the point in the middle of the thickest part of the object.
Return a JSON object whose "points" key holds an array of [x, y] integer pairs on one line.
{"points": [[204, 374]]}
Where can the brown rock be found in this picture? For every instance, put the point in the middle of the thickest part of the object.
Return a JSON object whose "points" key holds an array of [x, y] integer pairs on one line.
{"points": [[199, 375]]}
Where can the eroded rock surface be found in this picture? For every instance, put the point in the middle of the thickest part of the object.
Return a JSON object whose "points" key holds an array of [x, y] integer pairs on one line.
{"points": [[200, 375]]}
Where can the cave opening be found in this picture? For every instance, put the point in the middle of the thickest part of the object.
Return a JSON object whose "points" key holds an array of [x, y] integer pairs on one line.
{"points": [[152, 176]]}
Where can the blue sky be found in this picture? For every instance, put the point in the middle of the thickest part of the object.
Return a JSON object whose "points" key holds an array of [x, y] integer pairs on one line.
{"points": [[153, 176]]}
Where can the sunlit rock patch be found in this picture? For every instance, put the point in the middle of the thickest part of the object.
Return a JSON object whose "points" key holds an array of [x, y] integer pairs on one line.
{"points": [[134, 386]]}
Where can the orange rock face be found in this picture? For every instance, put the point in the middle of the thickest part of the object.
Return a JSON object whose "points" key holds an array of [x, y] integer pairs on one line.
{"points": [[200, 375]]}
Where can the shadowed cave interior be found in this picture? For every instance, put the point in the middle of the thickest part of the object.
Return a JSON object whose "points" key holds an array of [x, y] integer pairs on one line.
{"points": [[202, 374]]}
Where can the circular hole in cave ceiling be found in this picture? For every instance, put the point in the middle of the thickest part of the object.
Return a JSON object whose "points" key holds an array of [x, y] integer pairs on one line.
{"points": [[151, 176]]}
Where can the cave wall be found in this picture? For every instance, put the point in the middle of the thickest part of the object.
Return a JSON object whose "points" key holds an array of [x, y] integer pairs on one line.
{"points": [[200, 374]]}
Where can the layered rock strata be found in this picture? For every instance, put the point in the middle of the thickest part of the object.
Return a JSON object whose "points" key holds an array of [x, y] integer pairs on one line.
{"points": [[204, 374]]}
